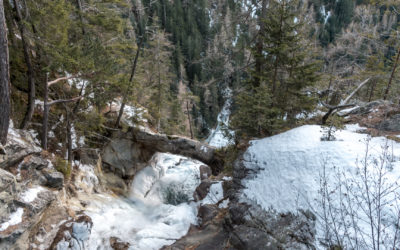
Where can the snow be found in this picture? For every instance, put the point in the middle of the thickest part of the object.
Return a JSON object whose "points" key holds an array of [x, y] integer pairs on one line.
{"points": [[345, 112], [215, 194], [290, 167], [86, 179], [158, 211], [15, 218], [218, 136], [30, 194]]}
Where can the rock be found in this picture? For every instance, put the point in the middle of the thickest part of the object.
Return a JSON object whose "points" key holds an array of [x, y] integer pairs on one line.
{"points": [[44, 232], [34, 162], [19, 145], [7, 193], [88, 156], [205, 172], [202, 190], [2, 150], [115, 183], [391, 124], [73, 234], [35, 199], [54, 179], [207, 213], [129, 152], [7, 181], [117, 244], [125, 157]]}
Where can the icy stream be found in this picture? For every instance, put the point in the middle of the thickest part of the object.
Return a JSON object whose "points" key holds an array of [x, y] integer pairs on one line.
{"points": [[220, 136], [159, 210]]}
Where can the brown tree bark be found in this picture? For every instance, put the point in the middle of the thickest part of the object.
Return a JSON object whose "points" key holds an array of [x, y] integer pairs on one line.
{"points": [[4, 78], [45, 114], [392, 75], [28, 61]]}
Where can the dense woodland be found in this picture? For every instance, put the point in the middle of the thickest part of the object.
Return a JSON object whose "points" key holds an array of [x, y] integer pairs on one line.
{"points": [[69, 61]]}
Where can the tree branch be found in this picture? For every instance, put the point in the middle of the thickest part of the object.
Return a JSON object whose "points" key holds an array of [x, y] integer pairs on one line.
{"points": [[64, 101], [354, 92], [62, 79]]}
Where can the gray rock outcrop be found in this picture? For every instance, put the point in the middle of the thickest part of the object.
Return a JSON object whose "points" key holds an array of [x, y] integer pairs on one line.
{"points": [[129, 152]]}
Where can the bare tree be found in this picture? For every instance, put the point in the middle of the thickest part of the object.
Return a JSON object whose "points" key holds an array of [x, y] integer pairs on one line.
{"points": [[392, 75], [4, 78], [47, 104], [343, 104], [360, 209]]}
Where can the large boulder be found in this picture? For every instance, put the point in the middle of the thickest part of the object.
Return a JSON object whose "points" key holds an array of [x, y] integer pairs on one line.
{"points": [[129, 152], [54, 179], [391, 124], [20, 144]]}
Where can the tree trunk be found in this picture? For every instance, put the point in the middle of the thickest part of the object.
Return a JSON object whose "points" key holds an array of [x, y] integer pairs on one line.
{"points": [[190, 123], [121, 110], [4, 78], [392, 76], [28, 61], [159, 85], [45, 115], [79, 4], [69, 135], [260, 44]]}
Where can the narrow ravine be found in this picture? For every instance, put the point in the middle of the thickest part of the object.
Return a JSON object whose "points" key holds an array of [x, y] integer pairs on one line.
{"points": [[221, 136]]}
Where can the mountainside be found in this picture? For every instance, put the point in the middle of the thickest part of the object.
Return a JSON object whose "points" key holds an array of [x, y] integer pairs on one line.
{"points": [[194, 124]]}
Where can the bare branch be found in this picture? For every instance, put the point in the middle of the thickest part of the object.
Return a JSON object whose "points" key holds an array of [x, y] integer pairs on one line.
{"points": [[64, 101], [354, 92], [62, 79]]}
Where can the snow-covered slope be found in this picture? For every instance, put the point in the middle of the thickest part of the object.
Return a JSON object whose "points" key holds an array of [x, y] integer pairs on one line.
{"points": [[295, 170]]}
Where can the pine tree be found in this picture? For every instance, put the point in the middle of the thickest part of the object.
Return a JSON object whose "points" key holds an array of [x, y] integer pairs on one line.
{"points": [[287, 71]]}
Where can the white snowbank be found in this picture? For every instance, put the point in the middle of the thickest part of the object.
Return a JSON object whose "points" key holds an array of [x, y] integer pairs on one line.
{"points": [[15, 218], [291, 164], [159, 210]]}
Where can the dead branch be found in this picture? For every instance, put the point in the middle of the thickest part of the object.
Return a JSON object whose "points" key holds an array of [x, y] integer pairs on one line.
{"points": [[65, 100]]}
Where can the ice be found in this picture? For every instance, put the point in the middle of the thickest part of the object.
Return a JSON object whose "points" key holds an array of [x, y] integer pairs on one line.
{"points": [[30, 194], [215, 194], [221, 136], [158, 211], [15, 218], [290, 165]]}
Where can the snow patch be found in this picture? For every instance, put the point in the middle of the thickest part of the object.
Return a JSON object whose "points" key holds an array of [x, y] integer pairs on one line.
{"points": [[15, 218], [30, 194], [215, 194]]}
